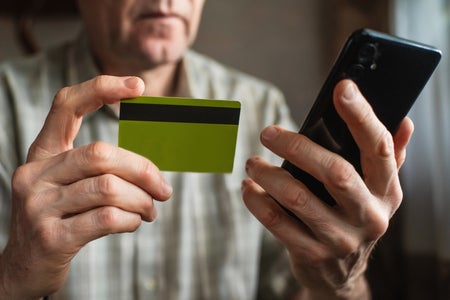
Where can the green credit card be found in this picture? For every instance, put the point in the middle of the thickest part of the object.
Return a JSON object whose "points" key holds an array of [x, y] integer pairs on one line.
{"points": [[181, 134]]}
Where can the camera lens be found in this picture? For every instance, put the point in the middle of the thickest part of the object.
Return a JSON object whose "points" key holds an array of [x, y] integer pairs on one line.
{"points": [[355, 71], [367, 53]]}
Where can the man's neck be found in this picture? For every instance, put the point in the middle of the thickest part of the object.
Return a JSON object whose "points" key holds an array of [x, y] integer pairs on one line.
{"points": [[161, 81]]}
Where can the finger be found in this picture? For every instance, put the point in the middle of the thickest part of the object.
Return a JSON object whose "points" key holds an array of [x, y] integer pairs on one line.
{"points": [[285, 228], [72, 103], [100, 158], [339, 177], [83, 228], [401, 140], [104, 190], [373, 139], [329, 240], [325, 223], [288, 191]]}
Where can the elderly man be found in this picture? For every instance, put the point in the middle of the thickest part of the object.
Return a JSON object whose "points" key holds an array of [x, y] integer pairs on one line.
{"points": [[72, 191]]}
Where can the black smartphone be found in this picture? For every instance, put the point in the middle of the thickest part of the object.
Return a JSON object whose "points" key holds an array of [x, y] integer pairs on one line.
{"points": [[389, 71]]}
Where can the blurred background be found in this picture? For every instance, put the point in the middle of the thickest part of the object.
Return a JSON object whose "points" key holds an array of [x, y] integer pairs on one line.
{"points": [[293, 44]]}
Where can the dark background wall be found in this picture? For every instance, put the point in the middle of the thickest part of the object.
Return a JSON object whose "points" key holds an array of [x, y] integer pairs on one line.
{"points": [[276, 40]]}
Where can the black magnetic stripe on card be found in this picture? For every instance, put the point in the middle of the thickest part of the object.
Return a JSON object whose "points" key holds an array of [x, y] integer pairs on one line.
{"points": [[179, 113]]}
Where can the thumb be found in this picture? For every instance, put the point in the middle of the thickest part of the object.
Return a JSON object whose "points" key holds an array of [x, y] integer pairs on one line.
{"points": [[71, 104]]}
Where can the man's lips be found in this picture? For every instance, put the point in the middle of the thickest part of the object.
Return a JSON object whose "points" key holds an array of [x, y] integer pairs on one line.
{"points": [[157, 15]]}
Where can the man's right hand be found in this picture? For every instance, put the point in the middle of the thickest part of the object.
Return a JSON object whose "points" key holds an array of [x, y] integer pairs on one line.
{"points": [[65, 197]]}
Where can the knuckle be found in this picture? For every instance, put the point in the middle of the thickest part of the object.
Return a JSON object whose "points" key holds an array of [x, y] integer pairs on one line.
{"points": [[396, 201], [106, 186], [377, 225], [97, 152], [385, 145], [148, 171], [373, 221], [341, 174], [100, 83], [377, 231], [26, 199], [20, 180], [295, 197], [271, 218], [60, 98], [295, 146], [106, 218]]}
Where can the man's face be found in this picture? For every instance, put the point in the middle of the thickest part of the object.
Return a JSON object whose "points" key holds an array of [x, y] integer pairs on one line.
{"points": [[140, 34]]}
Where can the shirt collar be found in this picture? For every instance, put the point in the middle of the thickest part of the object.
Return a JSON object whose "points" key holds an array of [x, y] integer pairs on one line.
{"points": [[193, 78]]}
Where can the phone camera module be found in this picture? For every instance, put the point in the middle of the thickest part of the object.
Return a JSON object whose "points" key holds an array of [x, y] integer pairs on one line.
{"points": [[355, 71], [368, 53]]}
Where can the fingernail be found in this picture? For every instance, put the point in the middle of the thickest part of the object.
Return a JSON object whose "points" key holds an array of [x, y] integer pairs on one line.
{"points": [[153, 214], [166, 187], [349, 92], [270, 133], [245, 184], [247, 165], [251, 162], [131, 82]]}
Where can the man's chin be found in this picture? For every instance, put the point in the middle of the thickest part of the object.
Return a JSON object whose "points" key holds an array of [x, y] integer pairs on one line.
{"points": [[161, 52]]}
